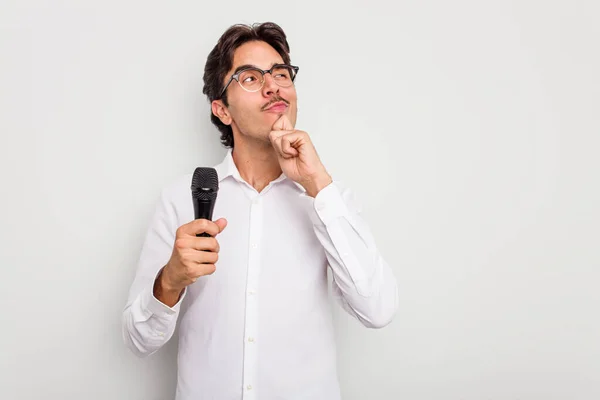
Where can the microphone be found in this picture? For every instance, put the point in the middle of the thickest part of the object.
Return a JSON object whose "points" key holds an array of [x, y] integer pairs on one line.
{"points": [[205, 185]]}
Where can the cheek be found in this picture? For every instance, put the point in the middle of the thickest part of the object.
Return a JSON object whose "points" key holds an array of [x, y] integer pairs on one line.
{"points": [[291, 96]]}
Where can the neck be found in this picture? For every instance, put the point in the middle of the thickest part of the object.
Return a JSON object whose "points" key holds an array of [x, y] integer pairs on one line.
{"points": [[256, 162]]}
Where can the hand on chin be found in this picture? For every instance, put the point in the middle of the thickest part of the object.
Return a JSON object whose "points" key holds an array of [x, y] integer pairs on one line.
{"points": [[297, 156]]}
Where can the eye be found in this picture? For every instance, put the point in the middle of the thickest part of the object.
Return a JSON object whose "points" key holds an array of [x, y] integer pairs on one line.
{"points": [[250, 77], [281, 73]]}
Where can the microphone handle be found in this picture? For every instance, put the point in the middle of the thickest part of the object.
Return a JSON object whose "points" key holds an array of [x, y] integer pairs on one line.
{"points": [[203, 210]]}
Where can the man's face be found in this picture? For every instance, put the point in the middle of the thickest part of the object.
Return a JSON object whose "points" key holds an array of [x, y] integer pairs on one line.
{"points": [[249, 112]]}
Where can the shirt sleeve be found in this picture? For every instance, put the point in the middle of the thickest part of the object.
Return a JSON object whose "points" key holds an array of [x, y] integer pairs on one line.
{"points": [[147, 323], [363, 282]]}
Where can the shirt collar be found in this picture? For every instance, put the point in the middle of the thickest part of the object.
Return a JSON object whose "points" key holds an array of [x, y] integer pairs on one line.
{"points": [[227, 168]]}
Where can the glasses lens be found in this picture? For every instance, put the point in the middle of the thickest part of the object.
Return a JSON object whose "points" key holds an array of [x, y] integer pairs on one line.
{"points": [[283, 75], [251, 80]]}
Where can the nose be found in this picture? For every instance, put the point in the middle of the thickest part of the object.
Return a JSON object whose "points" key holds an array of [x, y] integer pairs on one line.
{"points": [[269, 86]]}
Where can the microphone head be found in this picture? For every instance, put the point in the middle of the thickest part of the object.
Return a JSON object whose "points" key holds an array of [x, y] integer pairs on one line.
{"points": [[205, 184]]}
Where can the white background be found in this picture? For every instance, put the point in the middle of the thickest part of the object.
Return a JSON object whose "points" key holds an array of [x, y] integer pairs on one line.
{"points": [[469, 129]]}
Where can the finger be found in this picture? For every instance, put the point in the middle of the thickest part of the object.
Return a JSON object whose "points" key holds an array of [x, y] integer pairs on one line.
{"points": [[278, 146], [289, 145], [198, 226], [203, 269], [274, 135], [221, 223], [197, 243], [208, 269], [286, 147], [283, 123], [296, 139], [206, 257]]}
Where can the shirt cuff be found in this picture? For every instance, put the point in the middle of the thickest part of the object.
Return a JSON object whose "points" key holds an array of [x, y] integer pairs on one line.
{"points": [[156, 307], [327, 205]]}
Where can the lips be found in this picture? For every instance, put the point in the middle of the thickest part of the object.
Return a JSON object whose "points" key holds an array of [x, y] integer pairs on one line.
{"points": [[277, 107]]}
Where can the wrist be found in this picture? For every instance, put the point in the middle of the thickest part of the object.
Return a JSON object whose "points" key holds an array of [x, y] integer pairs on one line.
{"points": [[164, 292], [166, 283], [314, 185]]}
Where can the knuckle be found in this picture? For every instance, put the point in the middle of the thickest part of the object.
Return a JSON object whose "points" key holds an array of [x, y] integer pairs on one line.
{"points": [[180, 244], [182, 259], [187, 259], [199, 226]]}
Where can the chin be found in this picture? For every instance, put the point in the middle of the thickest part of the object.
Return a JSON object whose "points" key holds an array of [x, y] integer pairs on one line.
{"points": [[270, 118]]}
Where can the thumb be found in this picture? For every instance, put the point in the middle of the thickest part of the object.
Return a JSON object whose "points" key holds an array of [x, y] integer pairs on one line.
{"points": [[221, 223], [283, 123]]}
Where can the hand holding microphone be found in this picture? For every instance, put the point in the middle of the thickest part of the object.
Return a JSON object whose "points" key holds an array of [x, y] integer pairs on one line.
{"points": [[193, 256], [196, 250]]}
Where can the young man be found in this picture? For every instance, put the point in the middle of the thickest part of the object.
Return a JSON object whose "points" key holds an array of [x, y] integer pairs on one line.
{"points": [[257, 324]]}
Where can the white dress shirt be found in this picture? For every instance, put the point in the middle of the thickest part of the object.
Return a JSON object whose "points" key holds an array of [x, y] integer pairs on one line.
{"points": [[260, 327]]}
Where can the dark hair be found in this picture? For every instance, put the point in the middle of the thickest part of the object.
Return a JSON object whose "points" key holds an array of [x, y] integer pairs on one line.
{"points": [[220, 61]]}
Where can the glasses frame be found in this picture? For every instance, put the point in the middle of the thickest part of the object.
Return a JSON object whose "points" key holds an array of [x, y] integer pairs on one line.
{"points": [[236, 77]]}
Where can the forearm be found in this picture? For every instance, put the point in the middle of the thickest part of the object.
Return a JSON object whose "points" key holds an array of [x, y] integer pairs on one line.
{"points": [[361, 277], [362, 280], [145, 334], [149, 322]]}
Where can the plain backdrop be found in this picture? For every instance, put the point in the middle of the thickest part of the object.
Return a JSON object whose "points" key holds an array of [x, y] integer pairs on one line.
{"points": [[469, 129]]}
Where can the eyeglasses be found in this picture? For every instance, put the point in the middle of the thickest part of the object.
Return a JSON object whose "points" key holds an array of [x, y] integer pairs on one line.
{"points": [[252, 79]]}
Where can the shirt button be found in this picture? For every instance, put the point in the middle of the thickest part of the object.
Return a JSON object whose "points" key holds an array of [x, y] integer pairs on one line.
{"points": [[251, 339], [254, 245], [251, 292], [249, 387]]}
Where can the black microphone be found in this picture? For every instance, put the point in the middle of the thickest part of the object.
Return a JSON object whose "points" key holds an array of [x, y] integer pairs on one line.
{"points": [[205, 185]]}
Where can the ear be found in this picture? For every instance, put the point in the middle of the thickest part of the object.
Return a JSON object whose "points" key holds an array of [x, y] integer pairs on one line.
{"points": [[221, 112]]}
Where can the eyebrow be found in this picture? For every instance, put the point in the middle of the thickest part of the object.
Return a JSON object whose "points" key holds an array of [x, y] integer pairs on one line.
{"points": [[246, 66]]}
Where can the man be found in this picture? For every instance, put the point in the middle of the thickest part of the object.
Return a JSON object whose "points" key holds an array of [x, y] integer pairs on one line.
{"points": [[252, 299]]}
